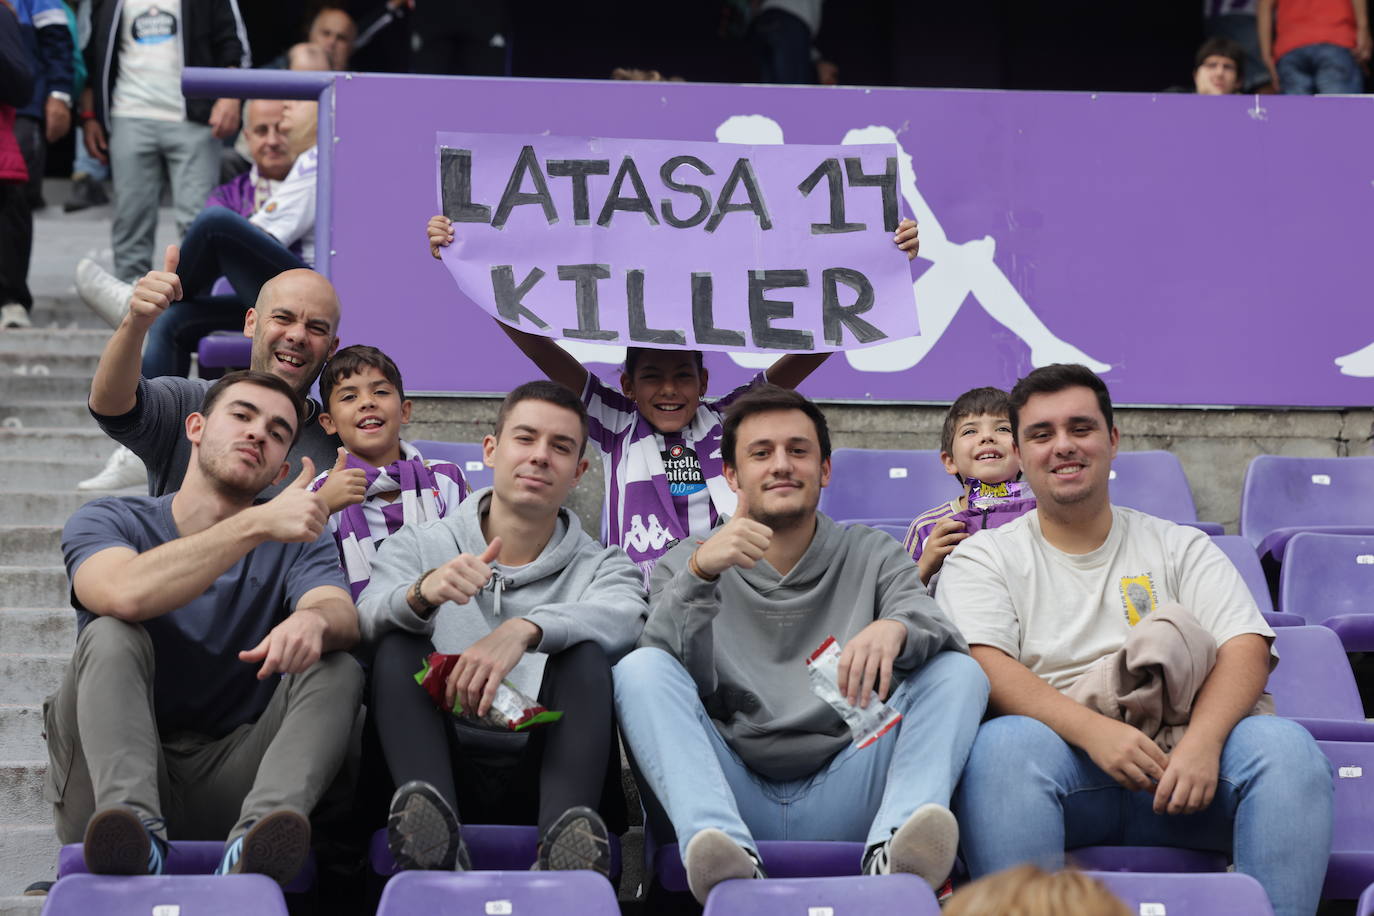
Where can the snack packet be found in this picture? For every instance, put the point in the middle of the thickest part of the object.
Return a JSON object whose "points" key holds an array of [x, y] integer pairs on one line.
{"points": [[991, 505], [511, 710], [865, 724]]}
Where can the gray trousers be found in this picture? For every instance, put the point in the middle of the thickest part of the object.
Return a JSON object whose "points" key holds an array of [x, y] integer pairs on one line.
{"points": [[140, 149], [104, 747]]}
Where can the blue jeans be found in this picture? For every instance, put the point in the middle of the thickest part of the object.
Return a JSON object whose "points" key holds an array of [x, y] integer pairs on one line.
{"points": [[219, 243], [1026, 796], [85, 163], [858, 794], [1319, 69]]}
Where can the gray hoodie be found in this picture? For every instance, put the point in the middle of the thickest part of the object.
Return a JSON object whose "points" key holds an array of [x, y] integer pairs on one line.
{"points": [[745, 638], [576, 590]]}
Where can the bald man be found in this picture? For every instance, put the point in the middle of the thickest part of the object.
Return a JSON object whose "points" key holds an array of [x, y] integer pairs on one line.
{"points": [[294, 326], [306, 56]]}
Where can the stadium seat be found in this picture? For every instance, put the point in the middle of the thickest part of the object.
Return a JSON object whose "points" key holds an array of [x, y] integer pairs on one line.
{"points": [[203, 895], [1160, 859], [493, 847], [1283, 496], [1351, 867], [1314, 685], [1366, 904], [781, 859], [852, 896], [467, 455], [225, 350], [1329, 579], [185, 857], [498, 893], [1221, 894], [888, 486], [1242, 555], [896, 531], [1153, 481]]}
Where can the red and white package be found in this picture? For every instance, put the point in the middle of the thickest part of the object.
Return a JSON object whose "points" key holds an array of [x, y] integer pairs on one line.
{"points": [[866, 723]]}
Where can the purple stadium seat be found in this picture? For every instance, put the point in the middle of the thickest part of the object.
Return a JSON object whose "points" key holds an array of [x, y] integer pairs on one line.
{"points": [[1314, 685], [891, 485], [185, 857], [1366, 904], [1329, 579], [1283, 496], [781, 859], [1153, 481], [202, 895], [852, 896], [496, 893], [1221, 894], [493, 847], [1351, 867], [1242, 555], [467, 455], [1163, 859], [222, 287], [225, 350], [896, 531]]}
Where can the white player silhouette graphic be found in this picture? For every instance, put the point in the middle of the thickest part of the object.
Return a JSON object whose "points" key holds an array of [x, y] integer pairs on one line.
{"points": [[1360, 364]]}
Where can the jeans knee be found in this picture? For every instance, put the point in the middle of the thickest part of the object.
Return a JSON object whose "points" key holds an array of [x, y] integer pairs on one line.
{"points": [[962, 673], [644, 668], [1006, 748], [1288, 750]]}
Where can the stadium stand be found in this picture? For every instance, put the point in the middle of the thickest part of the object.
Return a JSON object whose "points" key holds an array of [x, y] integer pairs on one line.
{"points": [[1351, 867], [467, 455], [1329, 579], [855, 896], [204, 895], [1242, 555], [1282, 496], [528, 893], [1153, 481], [1314, 685], [1224, 894], [885, 486]]}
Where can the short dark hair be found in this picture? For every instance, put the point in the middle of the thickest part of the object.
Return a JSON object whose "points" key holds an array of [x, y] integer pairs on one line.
{"points": [[978, 402], [262, 380], [1048, 380], [763, 399], [634, 354], [1222, 47], [352, 360], [544, 390]]}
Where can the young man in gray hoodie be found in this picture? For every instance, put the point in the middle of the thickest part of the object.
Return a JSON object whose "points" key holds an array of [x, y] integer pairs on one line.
{"points": [[716, 707], [513, 584]]}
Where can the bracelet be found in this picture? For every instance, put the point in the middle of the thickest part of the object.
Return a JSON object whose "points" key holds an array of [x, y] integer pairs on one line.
{"points": [[696, 568], [417, 595], [87, 115]]}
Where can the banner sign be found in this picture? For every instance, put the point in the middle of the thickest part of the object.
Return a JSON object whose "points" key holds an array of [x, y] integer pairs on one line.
{"points": [[702, 246]]}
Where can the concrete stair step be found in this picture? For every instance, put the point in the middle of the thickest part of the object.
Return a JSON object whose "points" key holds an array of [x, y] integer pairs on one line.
{"points": [[48, 507], [33, 363], [49, 340], [28, 586], [18, 388], [37, 630], [21, 733], [27, 854], [87, 444], [26, 679], [46, 415], [30, 545], [38, 474], [21, 906], [21, 794]]}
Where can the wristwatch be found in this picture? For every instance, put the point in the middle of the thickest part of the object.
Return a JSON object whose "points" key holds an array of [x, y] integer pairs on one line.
{"points": [[64, 97], [416, 597]]}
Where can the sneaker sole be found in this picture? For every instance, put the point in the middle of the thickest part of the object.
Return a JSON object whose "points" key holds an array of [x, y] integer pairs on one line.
{"points": [[926, 844], [116, 843], [276, 846], [577, 840], [712, 857], [422, 833]]}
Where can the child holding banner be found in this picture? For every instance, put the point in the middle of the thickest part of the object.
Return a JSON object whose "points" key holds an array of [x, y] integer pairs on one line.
{"points": [[660, 443]]}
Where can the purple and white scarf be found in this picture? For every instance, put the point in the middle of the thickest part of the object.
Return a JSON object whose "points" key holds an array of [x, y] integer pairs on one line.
{"points": [[429, 491]]}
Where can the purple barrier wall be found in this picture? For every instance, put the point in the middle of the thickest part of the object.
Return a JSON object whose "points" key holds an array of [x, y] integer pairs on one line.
{"points": [[1195, 250]]}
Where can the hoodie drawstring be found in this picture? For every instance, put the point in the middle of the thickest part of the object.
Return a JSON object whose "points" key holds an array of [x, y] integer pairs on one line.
{"points": [[497, 586]]}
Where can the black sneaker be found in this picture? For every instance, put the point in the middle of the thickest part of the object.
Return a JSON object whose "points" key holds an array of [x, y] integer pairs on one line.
{"points": [[422, 831], [38, 889], [276, 845], [119, 842], [577, 840], [86, 192]]}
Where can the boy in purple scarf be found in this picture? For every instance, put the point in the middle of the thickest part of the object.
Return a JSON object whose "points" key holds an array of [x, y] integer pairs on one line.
{"points": [[380, 481]]}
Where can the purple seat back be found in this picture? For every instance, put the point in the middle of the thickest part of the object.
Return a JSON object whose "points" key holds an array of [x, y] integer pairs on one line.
{"points": [[1242, 555], [1220, 894], [1313, 679], [1351, 867], [1304, 493], [1366, 904], [781, 859], [896, 531], [467, 455], [1327, 575], [228, 350], [1152, 481], [185, 857], [222, 287], [203, 895], [522, 893], [492, 847], [1163, 859], [885, 484], [851, 896]]}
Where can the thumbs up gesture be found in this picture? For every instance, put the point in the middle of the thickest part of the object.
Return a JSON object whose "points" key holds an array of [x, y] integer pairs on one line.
{"points": [[462, 577], [294, 514], [344, 486], [156, 290]]}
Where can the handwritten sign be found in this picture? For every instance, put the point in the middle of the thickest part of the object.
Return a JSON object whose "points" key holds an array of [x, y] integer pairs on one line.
{"points": [[675, 244]]}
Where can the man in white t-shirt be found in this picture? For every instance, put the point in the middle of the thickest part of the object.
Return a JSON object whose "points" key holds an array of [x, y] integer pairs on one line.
{"points": [[1044, 597]]}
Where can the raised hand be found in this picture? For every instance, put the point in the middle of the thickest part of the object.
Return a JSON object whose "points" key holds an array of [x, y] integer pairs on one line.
{"points": [[462, 577], [440, 231], [156, 290], [295, 514], [344, 486], [739, 542], [908, 238]]}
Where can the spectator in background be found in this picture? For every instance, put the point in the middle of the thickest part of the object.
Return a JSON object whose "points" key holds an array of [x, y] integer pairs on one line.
{"points": [[461, 38], [307, 56], [1235, 19], [237, 161], [89, 174], [782, 35], [1311, 47], [334, 31], [142, 122], [16, 219], [1219, 68]]}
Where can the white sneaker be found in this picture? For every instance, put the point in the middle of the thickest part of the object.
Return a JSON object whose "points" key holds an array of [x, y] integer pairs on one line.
{"points": [[712, 857], [924, 846], [14, 315], [106, 294], [124, 469]]}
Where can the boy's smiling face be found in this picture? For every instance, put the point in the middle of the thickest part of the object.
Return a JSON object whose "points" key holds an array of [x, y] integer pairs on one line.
{"points": [[366, 411], [667, 387], [983, 449]]}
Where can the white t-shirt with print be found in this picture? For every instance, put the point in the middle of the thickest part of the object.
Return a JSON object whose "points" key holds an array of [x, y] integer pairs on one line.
{"points": [[148, 84], [1057, 613]]}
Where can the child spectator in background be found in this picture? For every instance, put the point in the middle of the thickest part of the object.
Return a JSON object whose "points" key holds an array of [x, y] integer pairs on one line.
{"points": [[1219, 68], [380, 481], [975, 443], [659, 441]]}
